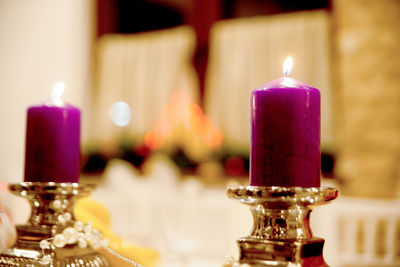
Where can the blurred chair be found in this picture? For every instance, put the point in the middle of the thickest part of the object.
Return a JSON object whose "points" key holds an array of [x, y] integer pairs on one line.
{"points": [[360, 231], [142, 70], [246, 53]]}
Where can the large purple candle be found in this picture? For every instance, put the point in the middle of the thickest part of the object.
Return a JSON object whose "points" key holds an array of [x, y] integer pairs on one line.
{"points": [[52, 142], [285, 134]]}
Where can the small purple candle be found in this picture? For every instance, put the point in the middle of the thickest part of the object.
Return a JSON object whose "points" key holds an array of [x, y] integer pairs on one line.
{"points": [[53, 141], [285, 134]]}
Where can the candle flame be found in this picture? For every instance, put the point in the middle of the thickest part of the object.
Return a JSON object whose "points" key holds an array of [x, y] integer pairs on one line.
{"points": [[58, 89], [287, 66], [57, 92]]}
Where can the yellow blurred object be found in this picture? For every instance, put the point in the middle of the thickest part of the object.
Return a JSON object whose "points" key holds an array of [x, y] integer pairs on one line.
{"points": [[87, 210]]}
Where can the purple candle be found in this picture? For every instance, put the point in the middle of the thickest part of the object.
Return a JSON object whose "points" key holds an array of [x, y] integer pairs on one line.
{"points": [[285, 134], [53, 141]]}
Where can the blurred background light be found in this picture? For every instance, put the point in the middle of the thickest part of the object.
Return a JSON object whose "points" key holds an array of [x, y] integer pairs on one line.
{"points": [[120, 114]]}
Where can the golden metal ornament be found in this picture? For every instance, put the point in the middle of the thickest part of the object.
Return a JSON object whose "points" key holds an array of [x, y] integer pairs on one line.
{"points": [[281, 234], [51, 214]]}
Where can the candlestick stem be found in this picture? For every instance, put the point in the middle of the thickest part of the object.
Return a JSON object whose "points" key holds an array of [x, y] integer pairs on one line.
{"points": [[281, 234]]}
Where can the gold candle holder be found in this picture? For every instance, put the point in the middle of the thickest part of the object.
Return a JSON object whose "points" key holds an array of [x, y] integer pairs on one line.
{"points": [[51, 218], [281, 234]]}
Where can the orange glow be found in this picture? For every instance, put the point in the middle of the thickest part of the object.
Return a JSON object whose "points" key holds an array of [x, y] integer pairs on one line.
{"points": [[214, 138], [195, 110], [153, 140], [163, 127], [180, 98], [202, 125], [182, 115]]}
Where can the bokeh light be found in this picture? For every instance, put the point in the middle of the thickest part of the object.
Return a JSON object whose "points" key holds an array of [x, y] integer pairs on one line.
{"points": [[120, 114]]}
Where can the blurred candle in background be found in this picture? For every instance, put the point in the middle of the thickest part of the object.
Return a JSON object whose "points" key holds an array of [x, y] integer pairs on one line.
{"points": [[285, 133], [53, 141]]}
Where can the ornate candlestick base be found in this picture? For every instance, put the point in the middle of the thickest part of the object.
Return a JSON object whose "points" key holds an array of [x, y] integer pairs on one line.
{"points": [[51, 235], [281, 234]]}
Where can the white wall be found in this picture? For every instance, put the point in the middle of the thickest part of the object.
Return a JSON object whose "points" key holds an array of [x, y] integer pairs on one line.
{"points": [[41, 42]]}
